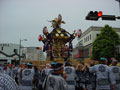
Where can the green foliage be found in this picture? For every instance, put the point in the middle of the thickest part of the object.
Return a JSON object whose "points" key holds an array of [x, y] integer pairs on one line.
{"points": [[105, 44]]}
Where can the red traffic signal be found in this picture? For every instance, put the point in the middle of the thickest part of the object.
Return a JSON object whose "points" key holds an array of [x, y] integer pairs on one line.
{"points": [[99, 13]]}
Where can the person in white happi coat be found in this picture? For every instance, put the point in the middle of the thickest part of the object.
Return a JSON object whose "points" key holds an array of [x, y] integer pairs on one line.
{"points": [[7, 83], [27, 78], [116, 73], [54, 80], [104, 78], [6, 70], [15, 73], [1, 68], [71, 75], [44, 73]]}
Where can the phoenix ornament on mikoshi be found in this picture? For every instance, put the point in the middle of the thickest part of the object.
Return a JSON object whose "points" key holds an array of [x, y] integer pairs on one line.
{"points": [[55, 42]]}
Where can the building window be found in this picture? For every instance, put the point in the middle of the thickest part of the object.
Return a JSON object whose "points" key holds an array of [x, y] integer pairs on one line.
{"points": [[90, 36], [2, 48], [84, 40], [81, 42], [97, 35], [15, 51]]}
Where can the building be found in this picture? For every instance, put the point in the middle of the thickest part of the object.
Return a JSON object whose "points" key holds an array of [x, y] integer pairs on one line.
{"points": [[9, 53], [34, 54], [83, 49]]}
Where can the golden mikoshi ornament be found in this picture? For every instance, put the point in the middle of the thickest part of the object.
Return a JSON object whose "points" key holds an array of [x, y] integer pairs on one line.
{"points": [[61, 35], [57, 35], [59, 31], [66, 37], [74, 34]]}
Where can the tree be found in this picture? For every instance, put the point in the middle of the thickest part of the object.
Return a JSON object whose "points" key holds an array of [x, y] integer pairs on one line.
{"points": [[106, 43]]}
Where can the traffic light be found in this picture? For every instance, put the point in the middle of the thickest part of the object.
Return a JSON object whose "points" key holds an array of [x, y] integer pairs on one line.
{"points": [[108, 17], [93, 15], [39, 48], [96, 15]]}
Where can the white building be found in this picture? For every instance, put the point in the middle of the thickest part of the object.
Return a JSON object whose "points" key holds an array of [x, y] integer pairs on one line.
{"points": [[34, 54], [83, 49], [9, 53]]}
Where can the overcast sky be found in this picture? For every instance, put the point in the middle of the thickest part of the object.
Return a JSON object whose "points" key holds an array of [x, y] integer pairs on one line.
{"points": [[25, 19]]}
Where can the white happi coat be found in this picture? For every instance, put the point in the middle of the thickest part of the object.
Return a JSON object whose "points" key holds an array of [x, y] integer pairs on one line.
{"points": [[71, 74], [55, 82], [27, 77], [104, 76], [116, 73], [7, 83]]}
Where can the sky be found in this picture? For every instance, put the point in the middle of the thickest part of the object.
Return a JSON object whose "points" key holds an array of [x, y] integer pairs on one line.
{"points": [[25, 19]]}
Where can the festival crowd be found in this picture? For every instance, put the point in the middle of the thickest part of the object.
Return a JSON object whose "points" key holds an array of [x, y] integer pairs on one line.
{"points": [[61, 76]]}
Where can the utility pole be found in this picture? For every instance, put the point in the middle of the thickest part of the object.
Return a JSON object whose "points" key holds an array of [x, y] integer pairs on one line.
{"points": [[20, 49]]}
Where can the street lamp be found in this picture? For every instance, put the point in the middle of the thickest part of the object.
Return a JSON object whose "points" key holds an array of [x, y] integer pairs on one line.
{"points": [[20, 48]]}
